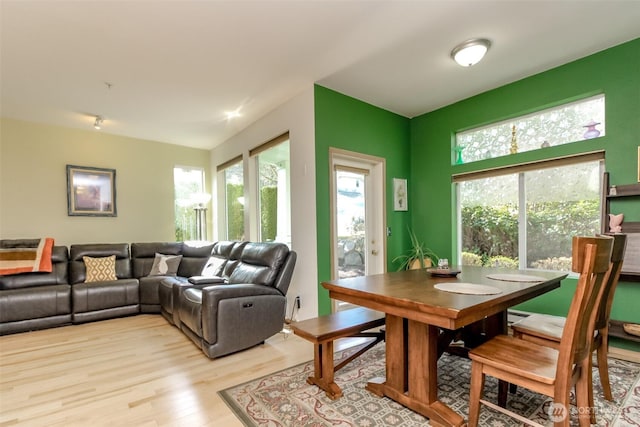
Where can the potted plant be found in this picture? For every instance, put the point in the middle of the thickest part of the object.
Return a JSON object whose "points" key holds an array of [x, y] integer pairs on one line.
{"points": [[416, 257]]}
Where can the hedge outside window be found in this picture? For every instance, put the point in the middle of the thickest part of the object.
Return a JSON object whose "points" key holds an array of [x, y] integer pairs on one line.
{"points": [[273, 167], [526, 218], [234, 201]]}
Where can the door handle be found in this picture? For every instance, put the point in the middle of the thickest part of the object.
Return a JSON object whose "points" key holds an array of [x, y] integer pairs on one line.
{"points": [[374, 252]]}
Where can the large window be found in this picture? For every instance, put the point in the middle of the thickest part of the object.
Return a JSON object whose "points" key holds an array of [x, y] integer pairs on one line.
{"points": [[525, 216], [264, 180], [189, 195], [563, 124], [273, 173], [233, 176]]}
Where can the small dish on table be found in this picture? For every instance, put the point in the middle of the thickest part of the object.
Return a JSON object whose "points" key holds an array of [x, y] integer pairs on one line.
{"points": [[443, 272]]}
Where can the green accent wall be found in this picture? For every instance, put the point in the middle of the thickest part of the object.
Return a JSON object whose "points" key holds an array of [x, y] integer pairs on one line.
{"points": [[421, 150], [349, 124], [614, 72]]}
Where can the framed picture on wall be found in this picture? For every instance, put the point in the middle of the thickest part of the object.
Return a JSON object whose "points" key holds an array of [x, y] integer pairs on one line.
{"points": [[91, 191], [400, 202]]}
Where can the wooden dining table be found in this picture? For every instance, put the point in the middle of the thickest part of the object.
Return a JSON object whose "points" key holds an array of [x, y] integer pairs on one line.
{"points": [[417, 313]]}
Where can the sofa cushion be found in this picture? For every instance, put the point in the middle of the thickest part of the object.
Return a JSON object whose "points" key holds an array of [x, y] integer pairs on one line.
{"points": [[194, 258], [214, 266], [77, 270], [220, 253], [260, 263], [234, 258], [33, 303], [59, 275], [165, 265], [190, 310], [192, 263], [104, 300], [100, 269], [149, 297], [143, 255]]}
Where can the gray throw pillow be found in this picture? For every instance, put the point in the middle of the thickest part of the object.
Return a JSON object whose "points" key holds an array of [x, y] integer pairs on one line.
{"points": [[165, 265]]}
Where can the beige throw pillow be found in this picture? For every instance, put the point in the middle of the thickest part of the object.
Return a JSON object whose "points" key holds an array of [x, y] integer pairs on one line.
{"points": [[100, 269], [165, 265]]}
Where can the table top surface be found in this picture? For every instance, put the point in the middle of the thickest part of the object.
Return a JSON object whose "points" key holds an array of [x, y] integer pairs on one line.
{"points": [[411, 294]]}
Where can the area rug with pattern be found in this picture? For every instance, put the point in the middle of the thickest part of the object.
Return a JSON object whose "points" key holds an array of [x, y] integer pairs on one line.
{"points": [[285, 399]]}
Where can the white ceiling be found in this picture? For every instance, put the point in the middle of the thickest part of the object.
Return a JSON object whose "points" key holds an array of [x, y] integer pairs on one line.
{"points": [[176, 67]]}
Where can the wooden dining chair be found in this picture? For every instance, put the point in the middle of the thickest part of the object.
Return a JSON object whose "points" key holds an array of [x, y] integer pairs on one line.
{"points": [[547, 330], [549, 371]]}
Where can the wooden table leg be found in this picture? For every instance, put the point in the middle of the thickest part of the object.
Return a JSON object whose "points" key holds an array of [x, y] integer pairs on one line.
{"points": [[416, 387], [396, 358]]}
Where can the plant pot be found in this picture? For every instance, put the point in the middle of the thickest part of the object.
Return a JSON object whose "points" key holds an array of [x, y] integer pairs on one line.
{"points": [[415, 264]]}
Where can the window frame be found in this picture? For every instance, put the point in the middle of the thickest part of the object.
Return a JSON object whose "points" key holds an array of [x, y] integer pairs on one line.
{"points": [[459, 146], [255, 190], [250, 174], [520, 169]]}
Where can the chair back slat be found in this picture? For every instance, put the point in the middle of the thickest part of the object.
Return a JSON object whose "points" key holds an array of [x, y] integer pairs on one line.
{"points": [[592, 255], [609, 288], [578, 249]]}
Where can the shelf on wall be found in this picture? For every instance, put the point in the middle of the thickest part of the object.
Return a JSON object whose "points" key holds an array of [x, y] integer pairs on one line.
{"points": [[616, 330], [625, 191]]}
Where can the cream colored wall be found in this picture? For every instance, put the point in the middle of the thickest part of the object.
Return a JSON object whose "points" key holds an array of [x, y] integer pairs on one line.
{"points": [[297, 117], [33, 183]]}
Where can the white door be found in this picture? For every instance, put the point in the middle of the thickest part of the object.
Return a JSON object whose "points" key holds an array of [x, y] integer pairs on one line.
{"points": [[358, 216]]}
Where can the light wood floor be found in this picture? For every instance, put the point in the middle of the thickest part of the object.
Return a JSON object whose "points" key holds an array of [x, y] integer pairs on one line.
{"points": [[134, 371]]}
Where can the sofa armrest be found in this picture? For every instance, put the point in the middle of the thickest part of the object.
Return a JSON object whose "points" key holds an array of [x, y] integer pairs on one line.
{"points": [[206, 280], [211, 295]]}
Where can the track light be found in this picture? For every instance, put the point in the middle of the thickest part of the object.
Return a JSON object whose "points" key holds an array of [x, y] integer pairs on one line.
{"points": [[470, 52], [98, 123]]}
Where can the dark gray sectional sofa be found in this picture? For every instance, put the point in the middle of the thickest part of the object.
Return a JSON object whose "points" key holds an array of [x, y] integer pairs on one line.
{"points": [[226, 296]]}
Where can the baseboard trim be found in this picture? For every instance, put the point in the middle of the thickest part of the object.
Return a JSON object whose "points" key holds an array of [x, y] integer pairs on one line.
{"points": [[623, 354]]}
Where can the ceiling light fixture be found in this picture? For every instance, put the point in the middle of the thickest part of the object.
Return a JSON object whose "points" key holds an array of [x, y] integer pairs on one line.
{"points": [[98, 123], [233, 114], [470, 52]]}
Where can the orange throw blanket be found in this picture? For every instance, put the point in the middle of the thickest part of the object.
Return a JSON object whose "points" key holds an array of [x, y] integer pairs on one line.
{"points": [[33, 256]]}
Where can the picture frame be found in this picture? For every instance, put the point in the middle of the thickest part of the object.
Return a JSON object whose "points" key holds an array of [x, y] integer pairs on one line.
{"points": [[400, 201], [91, 191]]}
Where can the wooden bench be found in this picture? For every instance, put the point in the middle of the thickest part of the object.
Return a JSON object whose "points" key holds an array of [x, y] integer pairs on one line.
{"points": [[323, 330]]}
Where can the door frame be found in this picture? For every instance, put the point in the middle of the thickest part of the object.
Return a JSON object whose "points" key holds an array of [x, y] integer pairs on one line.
{"points": [[377, 173]]}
